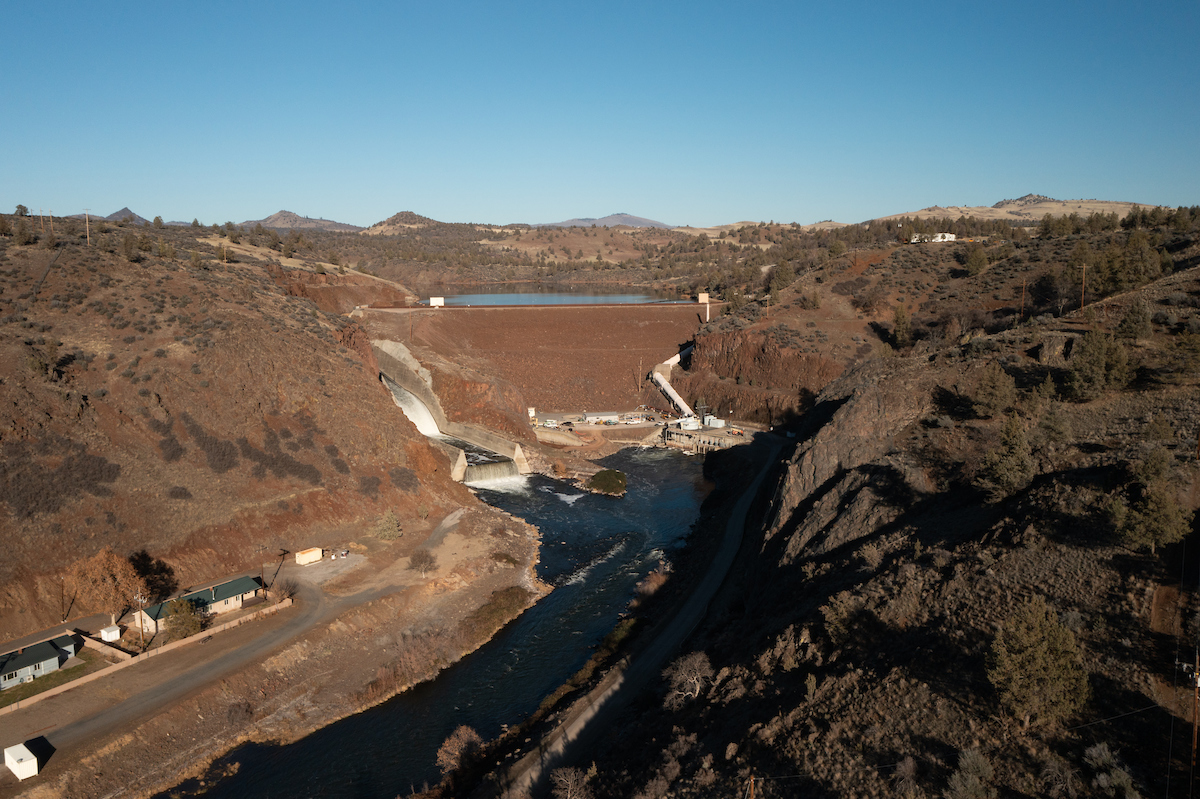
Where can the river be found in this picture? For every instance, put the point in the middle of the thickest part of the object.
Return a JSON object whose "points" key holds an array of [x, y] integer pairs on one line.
{"points": [[594, 549]]}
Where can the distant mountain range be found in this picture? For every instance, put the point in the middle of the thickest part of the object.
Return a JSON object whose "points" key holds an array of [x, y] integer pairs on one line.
{"points": [[1027, 209], [612, 220], [286, 220]]}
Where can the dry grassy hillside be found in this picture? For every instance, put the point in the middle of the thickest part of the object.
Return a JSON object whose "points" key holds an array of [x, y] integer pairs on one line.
{"points": [[154, 397]]}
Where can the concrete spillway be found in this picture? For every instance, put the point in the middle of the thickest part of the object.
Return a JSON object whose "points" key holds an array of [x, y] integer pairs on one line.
{"points": [[473, 463]]}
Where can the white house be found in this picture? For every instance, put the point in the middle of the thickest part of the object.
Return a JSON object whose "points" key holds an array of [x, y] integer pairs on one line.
{"points": [[920, 237]]}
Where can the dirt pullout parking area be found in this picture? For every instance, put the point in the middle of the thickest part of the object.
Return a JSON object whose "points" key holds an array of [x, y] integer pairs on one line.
{"points": [[561, 358]]}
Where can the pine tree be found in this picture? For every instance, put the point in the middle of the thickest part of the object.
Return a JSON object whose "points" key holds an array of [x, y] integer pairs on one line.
{"points": [[1035, 666], [901, 327], [996, 392], [388, 528], [1156, 519], [1008, 467]]}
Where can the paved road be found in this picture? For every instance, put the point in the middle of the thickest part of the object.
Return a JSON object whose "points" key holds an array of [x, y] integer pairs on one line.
{"points": [[570, 741], [312, 607]]}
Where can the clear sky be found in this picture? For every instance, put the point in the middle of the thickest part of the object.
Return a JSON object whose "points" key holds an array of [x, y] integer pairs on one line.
{"points": [[694, 113]]}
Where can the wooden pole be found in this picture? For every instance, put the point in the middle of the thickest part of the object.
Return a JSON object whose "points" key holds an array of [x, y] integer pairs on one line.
{"points": [[52, 223], [1195, 704], [87, 229]]}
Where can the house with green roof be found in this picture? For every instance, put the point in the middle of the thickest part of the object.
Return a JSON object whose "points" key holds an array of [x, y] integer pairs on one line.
{"points": [[220, 598]]}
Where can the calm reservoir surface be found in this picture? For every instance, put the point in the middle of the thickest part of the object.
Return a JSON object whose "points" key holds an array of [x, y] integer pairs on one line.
{"points": [[546, 294], [594, 549]]}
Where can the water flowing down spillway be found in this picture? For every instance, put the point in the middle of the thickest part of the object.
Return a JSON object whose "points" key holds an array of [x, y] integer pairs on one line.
{"points": [[413, 408], [594, 550], [482, 464]]}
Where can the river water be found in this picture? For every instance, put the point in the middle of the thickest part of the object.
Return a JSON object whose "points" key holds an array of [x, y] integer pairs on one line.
{"points": [[594, 549]]}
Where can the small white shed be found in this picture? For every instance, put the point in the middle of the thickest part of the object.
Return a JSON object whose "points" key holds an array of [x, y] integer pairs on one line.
{"points": [[110, 633], [20, 761]]}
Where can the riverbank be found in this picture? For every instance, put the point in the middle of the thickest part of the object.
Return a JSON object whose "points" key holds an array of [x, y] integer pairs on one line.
{"points": [[640, 645], [374, 632]]}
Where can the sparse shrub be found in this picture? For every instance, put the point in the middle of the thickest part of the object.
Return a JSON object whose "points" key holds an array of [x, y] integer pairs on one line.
{"points": [[1160, 429], [422, 560], [973, 779], [905, 778], [239, 713], [1110, 778], [872, 555], [1060, 780]]}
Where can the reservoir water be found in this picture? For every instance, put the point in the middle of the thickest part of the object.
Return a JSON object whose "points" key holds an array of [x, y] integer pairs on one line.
{"points": [[594, 549], [543, 294], [556, 299]]}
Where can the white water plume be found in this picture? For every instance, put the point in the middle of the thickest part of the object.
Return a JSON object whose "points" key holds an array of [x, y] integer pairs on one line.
{"points": [[510, 484], [581, 575], [570, 499], [413, 408]]}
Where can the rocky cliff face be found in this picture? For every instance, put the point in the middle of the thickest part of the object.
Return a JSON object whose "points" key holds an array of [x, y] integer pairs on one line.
{"points": [[748, 374], [846, 478]]}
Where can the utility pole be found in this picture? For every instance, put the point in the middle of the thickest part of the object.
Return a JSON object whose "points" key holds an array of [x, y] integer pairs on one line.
{"points": [[52, 223], [87, 229], [42, 220], [751, 786], [261, 569], [142, 600]]}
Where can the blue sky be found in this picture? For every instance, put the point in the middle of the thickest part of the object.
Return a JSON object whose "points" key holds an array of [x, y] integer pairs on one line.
{"points": [[689, 113]]}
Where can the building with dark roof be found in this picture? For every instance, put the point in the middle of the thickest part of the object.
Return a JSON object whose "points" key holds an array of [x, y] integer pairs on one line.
{"points": [[215, 599], [37, 660]]}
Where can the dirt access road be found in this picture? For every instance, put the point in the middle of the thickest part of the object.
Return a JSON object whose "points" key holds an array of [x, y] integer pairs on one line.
{"points": [[572, 739], [69, 721]]}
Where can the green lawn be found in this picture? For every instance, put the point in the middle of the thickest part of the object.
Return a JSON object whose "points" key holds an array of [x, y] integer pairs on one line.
{"points": [[91, 662]]}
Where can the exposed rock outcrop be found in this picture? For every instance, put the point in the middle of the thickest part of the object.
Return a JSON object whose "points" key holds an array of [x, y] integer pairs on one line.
{"points": [[845, 480]]}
